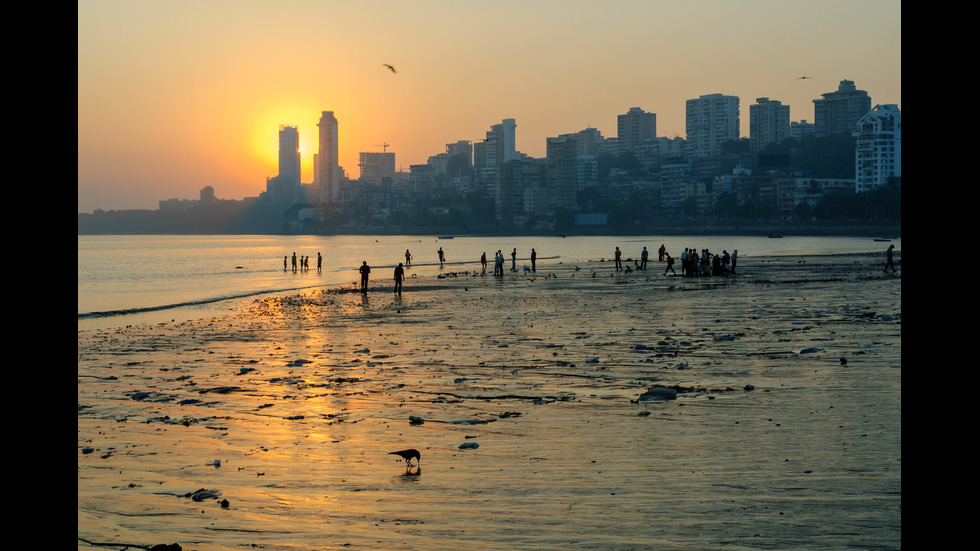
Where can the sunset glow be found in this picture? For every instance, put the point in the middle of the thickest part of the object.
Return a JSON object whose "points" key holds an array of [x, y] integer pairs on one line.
{"points": [[175, 96]]}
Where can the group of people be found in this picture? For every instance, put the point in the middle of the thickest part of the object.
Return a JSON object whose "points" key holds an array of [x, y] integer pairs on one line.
{"points": [[302, 263], [692, 263], [703, 264], [498, 262]]}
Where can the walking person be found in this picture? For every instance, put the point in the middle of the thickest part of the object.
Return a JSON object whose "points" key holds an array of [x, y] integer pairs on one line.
{"points": [[619, 261], [408, 258], [734, 259], [534, 257], [889, 259], [399, 276], [365, 271], [670, 264], [483, 262], [442, 257]]}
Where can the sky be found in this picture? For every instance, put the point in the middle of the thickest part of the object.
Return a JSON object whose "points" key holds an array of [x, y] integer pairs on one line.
{"points": [[174, 96]]}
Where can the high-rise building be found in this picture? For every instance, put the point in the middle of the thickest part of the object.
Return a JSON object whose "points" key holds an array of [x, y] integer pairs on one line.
{"points": [[711, 120], [838, 112], [500, 143], [878, 151], [768, 123], [285, 187], [375, 166], [635, 128], [327, 161]]}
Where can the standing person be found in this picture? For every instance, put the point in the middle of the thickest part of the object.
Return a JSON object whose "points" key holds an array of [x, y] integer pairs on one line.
{"points": [[365, 271], [294, 262], [889, 260], [670, 264], [734, 258], [442, 257], [498, 263], [661, 252], [483, 261], [619, 261], [408, 258], [284, 258], [399, 276], [643, 259], [534, 258], [319, 261], [513, 260]]}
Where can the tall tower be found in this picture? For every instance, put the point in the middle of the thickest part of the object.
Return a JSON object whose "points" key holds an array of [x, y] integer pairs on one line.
{"points": [[711, 120], [878, 151], [634, 128], [289, 165], [328, 167], [286, 188], [768, 123], [838, 112]]}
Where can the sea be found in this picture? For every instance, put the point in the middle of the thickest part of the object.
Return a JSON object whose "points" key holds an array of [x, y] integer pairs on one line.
{"points": [[149, 279]]}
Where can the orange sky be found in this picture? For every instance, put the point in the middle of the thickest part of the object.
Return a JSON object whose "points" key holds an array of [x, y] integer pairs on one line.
{"points": [[177, 95]]}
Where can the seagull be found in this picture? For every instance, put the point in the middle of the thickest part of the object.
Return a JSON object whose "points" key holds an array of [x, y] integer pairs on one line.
{"points": [[797, 78], [407, 455], [390, 67]]}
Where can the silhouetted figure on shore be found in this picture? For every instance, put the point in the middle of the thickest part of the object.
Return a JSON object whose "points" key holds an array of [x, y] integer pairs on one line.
{"points": [[408, 258], [889, 259], [661, 253], [399, 276], [619, 259], [319, 261], [365, 271], [534, 258], [670, 264], [442, 257]]}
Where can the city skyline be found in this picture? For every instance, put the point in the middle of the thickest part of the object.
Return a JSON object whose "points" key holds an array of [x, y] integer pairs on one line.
{"points": [[177, 96]]}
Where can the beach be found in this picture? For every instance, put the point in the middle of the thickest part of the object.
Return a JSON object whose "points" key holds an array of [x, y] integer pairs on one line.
{"points": [[574, 407]]}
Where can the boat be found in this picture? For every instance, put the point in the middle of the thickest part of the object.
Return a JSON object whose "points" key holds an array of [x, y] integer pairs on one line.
{"points": [[774, 236], [882, 239], [446, 236]]}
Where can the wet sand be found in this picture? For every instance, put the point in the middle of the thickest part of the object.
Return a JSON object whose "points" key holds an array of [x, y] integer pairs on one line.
{"points": [[784, 432]]}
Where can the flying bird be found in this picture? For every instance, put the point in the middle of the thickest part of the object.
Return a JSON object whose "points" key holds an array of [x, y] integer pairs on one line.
{"points": [[390, 67], [797, 78], [407, 455]]}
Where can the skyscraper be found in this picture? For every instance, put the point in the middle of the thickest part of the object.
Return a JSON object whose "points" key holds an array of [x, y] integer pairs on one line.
{"points": [[711, 120], [878, 148], [327, 165], [635, 128], [838, 112], [285, 187], [768, 123], [500, 143]]}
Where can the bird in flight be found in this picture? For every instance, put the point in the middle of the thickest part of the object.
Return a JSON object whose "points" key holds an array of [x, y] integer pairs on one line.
{"points": [[390, 67], [797, 78], [407, 455]]}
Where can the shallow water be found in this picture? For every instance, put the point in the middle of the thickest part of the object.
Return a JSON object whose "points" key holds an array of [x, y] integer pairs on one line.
{"points": [[302, 399], [125, 280]]}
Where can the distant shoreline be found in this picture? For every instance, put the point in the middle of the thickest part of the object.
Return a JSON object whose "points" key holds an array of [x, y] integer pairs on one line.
{"points": [[887, 231]]}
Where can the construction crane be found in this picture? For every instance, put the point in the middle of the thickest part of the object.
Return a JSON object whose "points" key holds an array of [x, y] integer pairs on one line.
{"points": [[384, 147]]}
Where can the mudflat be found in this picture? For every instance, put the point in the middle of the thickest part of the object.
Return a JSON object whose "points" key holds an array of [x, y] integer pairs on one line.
{"points": [[575, 407]]}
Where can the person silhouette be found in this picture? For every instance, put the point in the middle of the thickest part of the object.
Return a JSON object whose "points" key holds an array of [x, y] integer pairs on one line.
{"points": [[365, 271]]}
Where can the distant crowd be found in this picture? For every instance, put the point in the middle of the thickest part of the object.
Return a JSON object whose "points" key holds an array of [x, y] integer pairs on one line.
{"points": [[692, 263]]}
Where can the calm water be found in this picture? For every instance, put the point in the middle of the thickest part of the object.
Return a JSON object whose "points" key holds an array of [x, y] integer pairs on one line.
{"points": [[125, 280]]}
